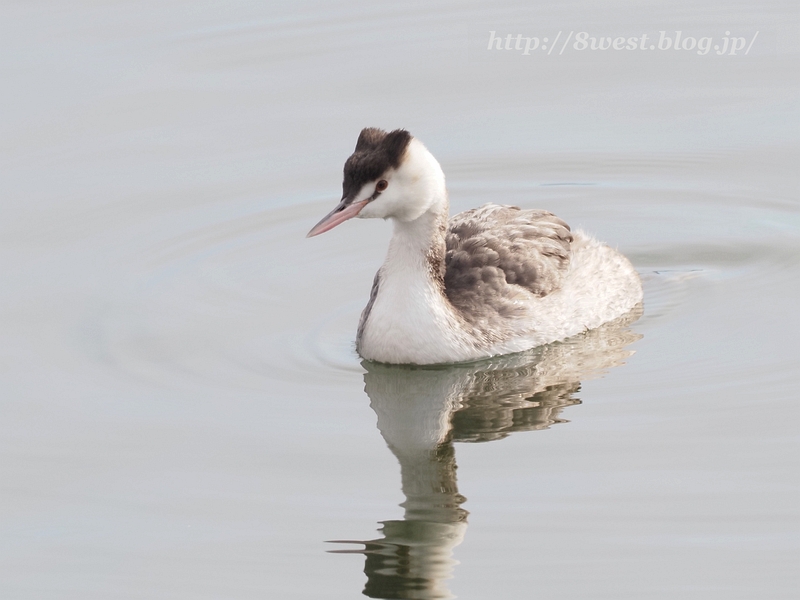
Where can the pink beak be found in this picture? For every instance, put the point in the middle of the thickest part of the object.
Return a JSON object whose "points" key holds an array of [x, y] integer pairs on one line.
{"points": [[340, 214]]}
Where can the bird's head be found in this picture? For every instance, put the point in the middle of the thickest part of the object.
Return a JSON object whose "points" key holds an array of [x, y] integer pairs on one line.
{"points": [[389, 175]]}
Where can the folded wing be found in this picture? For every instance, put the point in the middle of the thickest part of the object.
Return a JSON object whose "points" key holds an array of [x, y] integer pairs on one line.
{"points": [[499, 255]]}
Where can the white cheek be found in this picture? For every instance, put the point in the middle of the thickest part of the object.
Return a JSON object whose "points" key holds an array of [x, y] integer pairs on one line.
{"points": [[373, 210], [382, 207]]}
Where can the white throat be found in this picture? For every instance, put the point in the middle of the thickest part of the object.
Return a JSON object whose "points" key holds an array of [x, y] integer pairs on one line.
{"points": [[410, 320]]}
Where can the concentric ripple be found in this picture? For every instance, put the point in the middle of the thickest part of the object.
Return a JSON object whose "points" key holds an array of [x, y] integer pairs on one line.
{"points": [[244, 301]]}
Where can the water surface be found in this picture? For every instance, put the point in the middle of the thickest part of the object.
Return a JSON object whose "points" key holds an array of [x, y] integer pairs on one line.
{"points": [[183, 411]]}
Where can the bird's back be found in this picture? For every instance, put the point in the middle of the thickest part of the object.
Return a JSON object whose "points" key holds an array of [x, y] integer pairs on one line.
{"points": [[499, 257]]}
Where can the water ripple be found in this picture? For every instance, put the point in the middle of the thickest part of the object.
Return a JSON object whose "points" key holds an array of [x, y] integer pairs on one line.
{"points": [[247, 300]]}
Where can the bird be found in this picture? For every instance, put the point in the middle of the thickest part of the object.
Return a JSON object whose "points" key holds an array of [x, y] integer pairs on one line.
{"points": [[489, 281]]}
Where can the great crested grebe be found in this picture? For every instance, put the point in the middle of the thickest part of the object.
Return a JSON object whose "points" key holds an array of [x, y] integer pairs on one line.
{"points": [[491, 280]]}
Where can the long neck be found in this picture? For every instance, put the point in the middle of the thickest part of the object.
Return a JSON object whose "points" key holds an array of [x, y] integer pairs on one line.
{"points": [[418, 246], [409, 318]]}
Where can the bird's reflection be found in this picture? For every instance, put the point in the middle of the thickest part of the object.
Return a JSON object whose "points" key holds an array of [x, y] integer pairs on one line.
{"points": [[423, 410]]}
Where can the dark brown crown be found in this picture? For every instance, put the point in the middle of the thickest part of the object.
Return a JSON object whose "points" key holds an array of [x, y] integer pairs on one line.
{"points": [[376, 152]]}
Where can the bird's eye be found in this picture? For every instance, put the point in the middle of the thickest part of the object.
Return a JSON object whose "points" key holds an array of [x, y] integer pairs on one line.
{"points": [[381, 185]]}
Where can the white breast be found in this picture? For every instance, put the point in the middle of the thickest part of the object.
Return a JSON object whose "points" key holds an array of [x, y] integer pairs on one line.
{"points": [[410, 322]]}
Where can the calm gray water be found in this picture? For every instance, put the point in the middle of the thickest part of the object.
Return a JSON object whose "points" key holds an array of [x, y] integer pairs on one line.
{"points": [[182, 411]]}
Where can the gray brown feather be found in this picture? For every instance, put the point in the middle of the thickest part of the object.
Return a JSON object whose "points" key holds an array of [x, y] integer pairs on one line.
{"points": [[362, 323], [494, 251]]}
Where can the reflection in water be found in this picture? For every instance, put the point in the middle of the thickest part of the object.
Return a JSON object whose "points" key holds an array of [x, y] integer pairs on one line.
{"points": [[423, 410]]}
